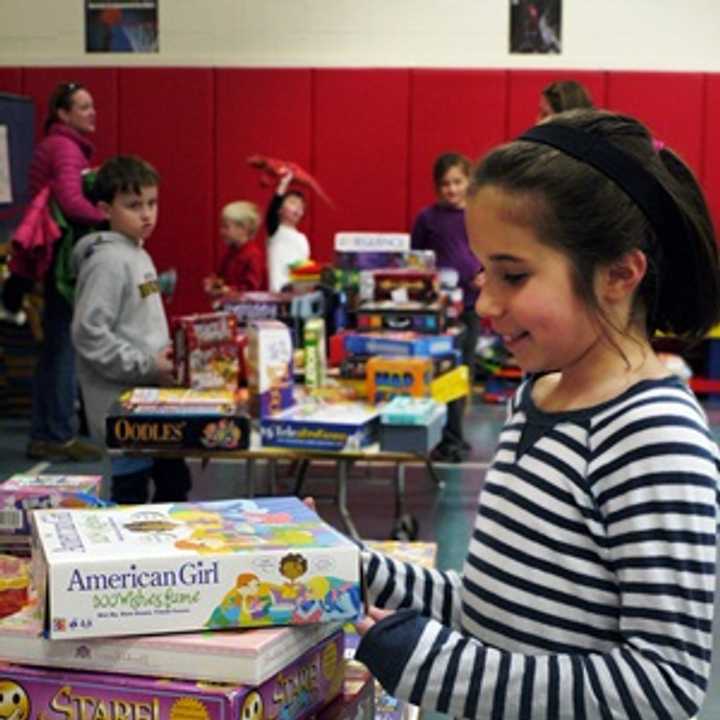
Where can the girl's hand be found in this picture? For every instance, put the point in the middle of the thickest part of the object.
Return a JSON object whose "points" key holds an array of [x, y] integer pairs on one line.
{"points": [[284, 183], [310, 503], [374, 615]]}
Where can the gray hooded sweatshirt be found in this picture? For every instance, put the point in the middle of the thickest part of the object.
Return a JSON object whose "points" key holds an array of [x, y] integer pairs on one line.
{"points": [[119, 322]]}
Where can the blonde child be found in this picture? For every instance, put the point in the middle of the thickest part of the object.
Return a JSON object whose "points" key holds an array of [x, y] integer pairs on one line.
{"points": [[441, 228], [588, 587], [242, 267]]}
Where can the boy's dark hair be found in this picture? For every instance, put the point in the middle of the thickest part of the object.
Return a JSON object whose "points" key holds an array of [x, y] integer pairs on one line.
{"points": [[567, 95], [446, 161], [61, 99], [587, 216], [123, 173]]}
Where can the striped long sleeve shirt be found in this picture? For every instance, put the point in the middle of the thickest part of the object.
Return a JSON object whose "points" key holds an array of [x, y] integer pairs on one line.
{"points": [[588, 587]]}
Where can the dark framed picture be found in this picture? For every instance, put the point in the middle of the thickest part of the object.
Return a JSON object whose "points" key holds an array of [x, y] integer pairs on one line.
{"points": [[121, 26], [535, 26]]}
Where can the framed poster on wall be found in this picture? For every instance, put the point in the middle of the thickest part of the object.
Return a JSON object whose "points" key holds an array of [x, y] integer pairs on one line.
{"points": [[6, 195], [535, 26], [119, 26]]}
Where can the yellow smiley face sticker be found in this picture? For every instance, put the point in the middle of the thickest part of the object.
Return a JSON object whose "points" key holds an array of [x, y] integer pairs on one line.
{"points": [[14, 701], [252, 707]]}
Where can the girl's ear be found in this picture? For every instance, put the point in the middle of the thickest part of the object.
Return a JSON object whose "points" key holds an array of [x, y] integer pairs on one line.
{"points": [[621, 278]]}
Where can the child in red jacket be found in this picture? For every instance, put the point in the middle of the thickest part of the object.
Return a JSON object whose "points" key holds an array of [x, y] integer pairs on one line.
{"points": [[243, 265]]}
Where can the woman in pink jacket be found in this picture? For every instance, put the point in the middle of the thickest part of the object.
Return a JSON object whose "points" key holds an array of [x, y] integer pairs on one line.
{"points": [[58, 162]]}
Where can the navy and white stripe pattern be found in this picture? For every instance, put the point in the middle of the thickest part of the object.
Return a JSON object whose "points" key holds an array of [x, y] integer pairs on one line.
{"points": [[588, 587]]}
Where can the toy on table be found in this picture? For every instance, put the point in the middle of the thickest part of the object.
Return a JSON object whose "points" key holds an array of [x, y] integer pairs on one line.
{"points": [[205, 355], [14, 584], [256, 654], [177, 418], [133, 570], [356, 251], [401, 315], [298, 691], [270, 378], [322, 426], [315, 353]]}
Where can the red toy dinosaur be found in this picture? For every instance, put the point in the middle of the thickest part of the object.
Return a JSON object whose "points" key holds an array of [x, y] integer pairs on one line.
{"points": [[272, 169]]}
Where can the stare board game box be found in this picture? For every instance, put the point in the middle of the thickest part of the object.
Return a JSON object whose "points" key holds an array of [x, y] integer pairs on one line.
{"points": [[133, 570], [244, 657], [20, 494], [296, 692], [333, 427], [174, 418]]}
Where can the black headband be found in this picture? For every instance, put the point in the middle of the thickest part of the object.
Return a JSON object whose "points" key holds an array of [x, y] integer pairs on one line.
{"points": [[632, 178]]}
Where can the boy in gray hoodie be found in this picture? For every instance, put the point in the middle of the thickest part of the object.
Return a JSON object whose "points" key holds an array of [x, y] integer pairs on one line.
{"points": [[119, 327]]}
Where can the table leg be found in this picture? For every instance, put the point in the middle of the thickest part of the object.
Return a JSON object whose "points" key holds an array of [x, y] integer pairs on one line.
{"points": [[250, 468], [433, 473], [405, 526], [272, 476], [342, 478], [399, 485]]}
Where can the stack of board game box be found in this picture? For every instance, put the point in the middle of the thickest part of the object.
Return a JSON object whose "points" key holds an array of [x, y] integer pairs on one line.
{"points": [[205, 610]]}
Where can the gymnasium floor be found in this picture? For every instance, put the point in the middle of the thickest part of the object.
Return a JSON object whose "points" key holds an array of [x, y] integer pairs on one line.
{"points": [[445, 515]]}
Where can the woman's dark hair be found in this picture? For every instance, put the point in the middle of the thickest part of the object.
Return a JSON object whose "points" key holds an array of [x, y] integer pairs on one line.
{"points": [[61, 99], [123, 173], [446, 161], [579, 210], [567, 95], [272, 217]]}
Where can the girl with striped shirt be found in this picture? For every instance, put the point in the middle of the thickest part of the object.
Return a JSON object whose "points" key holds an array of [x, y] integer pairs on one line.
{"points": [[588, 587]]}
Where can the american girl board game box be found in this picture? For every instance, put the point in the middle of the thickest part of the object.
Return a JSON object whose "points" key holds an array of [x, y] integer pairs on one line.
{"points": [[245, 657], [296, 692], [141, 569]]}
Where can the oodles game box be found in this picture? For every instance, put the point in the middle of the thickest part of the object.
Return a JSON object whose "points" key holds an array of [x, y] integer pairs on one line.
{"points": [[133, 570]]}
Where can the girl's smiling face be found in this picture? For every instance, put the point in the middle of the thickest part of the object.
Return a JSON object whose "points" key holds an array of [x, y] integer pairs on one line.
{"points": [[528, 292]]}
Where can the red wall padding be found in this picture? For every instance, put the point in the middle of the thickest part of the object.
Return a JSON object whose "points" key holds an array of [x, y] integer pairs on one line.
{"points": [[167, 116], [39, 82], [526, 86], [452, 110], [711, 146], [670, 104], [369, 136], [11, 80], [259, 111], [360, 152]]}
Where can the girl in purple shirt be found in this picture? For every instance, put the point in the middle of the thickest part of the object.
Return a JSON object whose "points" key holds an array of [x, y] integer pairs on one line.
{"points": [[441, 228]]}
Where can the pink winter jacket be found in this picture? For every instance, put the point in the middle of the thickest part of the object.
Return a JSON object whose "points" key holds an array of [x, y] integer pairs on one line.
{"points": [[58, 161]]}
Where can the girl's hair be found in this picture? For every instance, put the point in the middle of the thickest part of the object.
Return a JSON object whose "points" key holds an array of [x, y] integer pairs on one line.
{"points": [[61, 99], [567, 95], [594, 222], [243, 213], [272, 219], [446, 161]]}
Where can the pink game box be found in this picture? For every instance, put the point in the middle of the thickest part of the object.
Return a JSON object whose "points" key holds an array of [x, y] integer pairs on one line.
{"points": [[296, 692], [247, 657]]}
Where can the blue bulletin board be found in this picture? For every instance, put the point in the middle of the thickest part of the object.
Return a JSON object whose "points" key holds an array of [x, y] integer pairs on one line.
{"points": [[17, 131]]}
